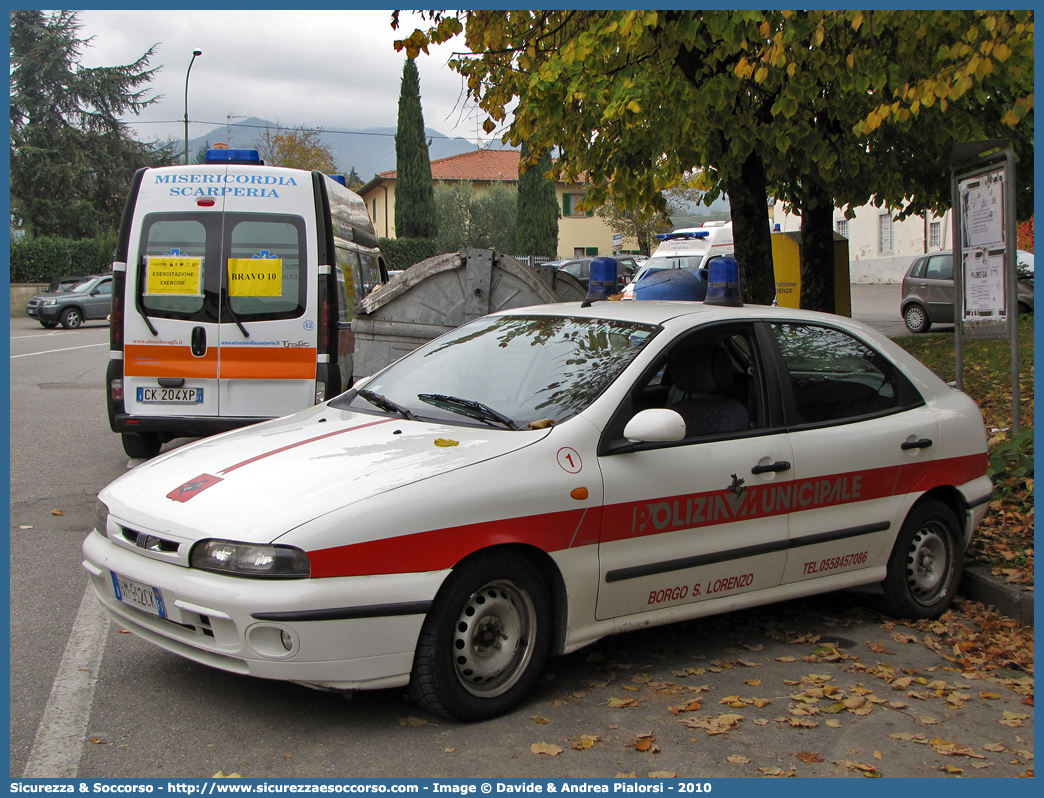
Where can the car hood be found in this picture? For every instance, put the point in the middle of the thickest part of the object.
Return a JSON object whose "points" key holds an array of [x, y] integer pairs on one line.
{"points": [[259, 483]]}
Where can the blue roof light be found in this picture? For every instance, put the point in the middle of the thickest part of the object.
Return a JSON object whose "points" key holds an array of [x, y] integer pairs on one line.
{"points": [[603, 281], [339, 179], [234, 156], [688, 235], [723, 286]]}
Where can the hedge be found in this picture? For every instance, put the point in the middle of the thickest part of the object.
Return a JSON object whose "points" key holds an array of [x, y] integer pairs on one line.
{"points": [[40, 260], [401, 253]]}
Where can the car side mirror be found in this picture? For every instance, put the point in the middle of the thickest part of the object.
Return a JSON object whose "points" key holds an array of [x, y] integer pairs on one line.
{"points": [[656, 425]]}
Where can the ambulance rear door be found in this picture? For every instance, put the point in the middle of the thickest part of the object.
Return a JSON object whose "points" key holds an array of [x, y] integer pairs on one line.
{"points": [[268, 314]]}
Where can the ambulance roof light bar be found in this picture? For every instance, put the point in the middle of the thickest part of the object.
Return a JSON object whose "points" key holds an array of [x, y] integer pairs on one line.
{"points": [[688, 235], [223, 155]]}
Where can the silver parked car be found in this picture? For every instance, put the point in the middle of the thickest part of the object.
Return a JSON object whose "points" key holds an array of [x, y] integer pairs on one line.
{"points": [[927, 296]]}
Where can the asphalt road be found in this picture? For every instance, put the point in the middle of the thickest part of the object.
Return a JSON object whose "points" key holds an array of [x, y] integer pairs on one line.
{"points": [[89, 701]]}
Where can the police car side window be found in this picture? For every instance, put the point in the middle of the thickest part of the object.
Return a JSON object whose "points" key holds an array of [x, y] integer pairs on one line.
{"points": [[834, 376]]}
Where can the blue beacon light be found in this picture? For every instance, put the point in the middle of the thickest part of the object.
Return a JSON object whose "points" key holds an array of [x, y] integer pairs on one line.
{"points": [[603, 281], [723, 286]]}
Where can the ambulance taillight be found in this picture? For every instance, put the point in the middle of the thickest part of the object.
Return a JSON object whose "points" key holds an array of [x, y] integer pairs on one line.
{"points": [[119, 280]]}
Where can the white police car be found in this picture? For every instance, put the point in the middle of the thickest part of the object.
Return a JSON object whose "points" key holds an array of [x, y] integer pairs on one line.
{"points": [[541, 478]]}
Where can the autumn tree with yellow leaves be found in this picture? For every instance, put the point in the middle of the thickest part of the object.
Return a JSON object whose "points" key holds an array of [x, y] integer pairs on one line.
{"points": [[822, 109]]}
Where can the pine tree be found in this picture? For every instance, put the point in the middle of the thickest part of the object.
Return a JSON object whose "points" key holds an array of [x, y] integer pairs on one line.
{"points": [[537, 226], [415, 215], [72, 159]]}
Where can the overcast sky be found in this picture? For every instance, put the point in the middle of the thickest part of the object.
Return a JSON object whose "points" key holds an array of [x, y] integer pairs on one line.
{"points": [[330, 69]]}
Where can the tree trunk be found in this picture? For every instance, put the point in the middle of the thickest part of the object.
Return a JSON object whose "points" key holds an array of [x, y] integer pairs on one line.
{"points": [[817, 250], [748, 197]]}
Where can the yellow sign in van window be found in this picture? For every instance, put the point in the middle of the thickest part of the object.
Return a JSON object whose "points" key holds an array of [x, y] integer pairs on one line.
{"points": [[255, 276], [175, 276]]}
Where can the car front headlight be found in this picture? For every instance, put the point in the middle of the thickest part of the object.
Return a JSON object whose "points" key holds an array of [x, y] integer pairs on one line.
{"points": [[49, 302], [101, 512], [250, 559]]}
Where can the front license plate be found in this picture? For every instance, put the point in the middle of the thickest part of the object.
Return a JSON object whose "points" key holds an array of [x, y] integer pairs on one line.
{"points": [[144, 597], [171, 396]]}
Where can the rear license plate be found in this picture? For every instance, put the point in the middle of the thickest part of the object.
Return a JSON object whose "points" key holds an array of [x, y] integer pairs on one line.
{"points": [[171, 396], [144, 597]]}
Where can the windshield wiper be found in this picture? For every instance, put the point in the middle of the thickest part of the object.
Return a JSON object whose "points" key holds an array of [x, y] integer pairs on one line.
{"points": [[386, 404], [468, 407]]}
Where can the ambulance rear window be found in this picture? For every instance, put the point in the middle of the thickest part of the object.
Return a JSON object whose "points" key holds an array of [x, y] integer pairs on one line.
{"points": [[265, 269]]}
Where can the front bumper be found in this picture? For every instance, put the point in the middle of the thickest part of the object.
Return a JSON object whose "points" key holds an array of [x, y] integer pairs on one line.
{"points": [[43, 312], [346, 633]]}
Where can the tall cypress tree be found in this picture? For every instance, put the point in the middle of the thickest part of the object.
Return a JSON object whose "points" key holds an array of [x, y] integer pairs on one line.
{"points": [[72, 159], [415, 215], [537, 226]]}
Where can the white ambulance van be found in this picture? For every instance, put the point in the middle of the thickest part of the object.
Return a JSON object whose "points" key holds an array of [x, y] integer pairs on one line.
{"points": [[685, 248], [233, 293]]}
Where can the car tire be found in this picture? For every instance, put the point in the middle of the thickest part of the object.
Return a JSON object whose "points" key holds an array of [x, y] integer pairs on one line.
{"points": [[48, 325], [924, 569], [72, 318], [1024, 308], [462, 668], [916, 318], [141, 445]]}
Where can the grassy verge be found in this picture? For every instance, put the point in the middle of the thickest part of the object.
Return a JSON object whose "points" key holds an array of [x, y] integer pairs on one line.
{"points": [[1004, 541]]}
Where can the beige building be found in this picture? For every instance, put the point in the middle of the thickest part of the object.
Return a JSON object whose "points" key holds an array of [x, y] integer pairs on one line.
{"points": [[881, 248], [579, 234]]}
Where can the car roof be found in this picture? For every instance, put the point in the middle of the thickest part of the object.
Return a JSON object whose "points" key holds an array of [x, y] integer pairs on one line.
{"points": [[662, 312]]}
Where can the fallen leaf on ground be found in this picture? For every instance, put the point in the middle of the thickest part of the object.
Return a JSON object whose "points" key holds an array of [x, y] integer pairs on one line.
{"points": [[778, 772], [620, 703], [412, 721], [1013, 719], [810, 757], [585, 741], [538, 719], [737, 759], [545, 748], [722, 724], [663, 774]]}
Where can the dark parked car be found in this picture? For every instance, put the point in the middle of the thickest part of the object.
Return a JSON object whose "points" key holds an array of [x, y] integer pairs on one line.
{"points": [[927, 296], [580, 268], [91, 298]]}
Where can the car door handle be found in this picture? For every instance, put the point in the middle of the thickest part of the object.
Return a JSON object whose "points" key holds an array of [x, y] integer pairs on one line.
{"points": [[779, 465], [923, 443], [199, 341]]}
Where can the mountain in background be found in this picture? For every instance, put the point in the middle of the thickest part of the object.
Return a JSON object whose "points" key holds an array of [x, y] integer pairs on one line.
{"points": [[369, 150], [372, 150]]}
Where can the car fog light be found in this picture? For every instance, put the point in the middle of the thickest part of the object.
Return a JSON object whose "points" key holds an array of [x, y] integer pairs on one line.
{"points": [[250, 559], [286, 640]]}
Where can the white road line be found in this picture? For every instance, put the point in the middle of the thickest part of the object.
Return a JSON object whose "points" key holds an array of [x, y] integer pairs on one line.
{"points": [[52, 351], [60, 737]]}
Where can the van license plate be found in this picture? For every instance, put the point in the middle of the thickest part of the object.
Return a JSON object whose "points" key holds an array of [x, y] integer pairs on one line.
{"points": [[144, 597], [171, 396]]}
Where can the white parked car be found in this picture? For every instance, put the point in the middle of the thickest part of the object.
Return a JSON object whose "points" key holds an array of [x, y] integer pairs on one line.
{"points": [[541, 478]]}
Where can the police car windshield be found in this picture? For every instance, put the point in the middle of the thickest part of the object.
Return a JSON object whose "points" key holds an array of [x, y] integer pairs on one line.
{"points": [[525, 368]]}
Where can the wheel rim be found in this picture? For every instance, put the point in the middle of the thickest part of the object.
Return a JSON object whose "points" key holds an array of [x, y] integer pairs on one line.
{"points": [[493, 638], [72, 318], [928, 565], [914, 317]]}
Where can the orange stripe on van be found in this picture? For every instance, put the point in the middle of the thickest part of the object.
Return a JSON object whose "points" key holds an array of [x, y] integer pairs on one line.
{"points": [[150, 360], [267, 363]]}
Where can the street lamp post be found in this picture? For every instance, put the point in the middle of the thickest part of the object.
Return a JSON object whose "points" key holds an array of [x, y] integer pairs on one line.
{"points": [[195, 52]]}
